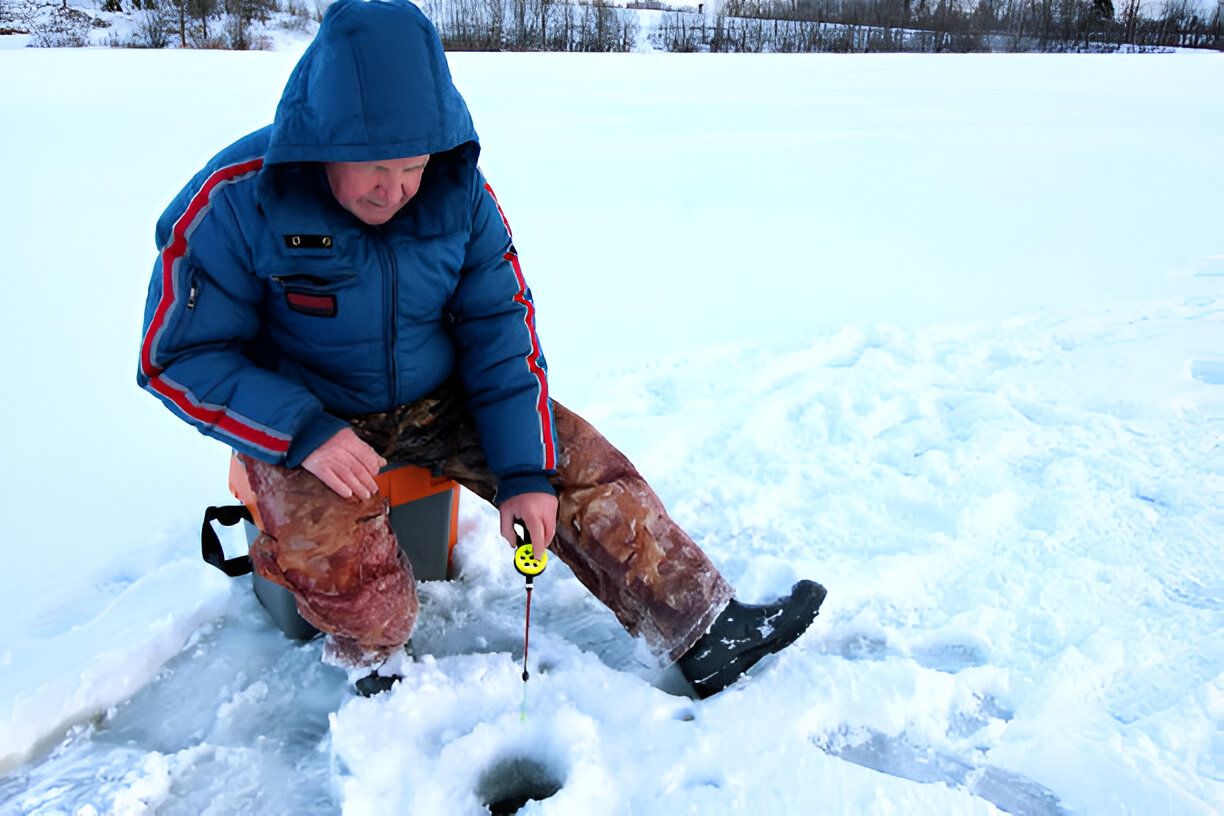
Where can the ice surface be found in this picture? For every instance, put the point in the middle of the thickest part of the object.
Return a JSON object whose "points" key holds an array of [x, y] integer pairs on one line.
{"points": [[235, 723], [940, 332]]}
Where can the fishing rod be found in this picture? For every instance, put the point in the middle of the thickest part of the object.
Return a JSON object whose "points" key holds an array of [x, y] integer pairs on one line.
{"points": [[528, 565]]}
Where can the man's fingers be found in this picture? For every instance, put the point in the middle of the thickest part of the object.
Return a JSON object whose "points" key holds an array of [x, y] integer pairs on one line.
{"points": [[367, 457], [508, 532], [345, 464], [356, 488], [330, 478], [358, 476], [539, 538], [537, 528], [538, 512], [347, 482], [361, 482], [362, 454], [346, 476]]}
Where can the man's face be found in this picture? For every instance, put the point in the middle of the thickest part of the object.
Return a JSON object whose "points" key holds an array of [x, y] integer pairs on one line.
{"points": [[374, 191]]}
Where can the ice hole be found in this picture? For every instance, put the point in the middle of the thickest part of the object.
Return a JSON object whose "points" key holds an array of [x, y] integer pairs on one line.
{"points": [[514, 781]]}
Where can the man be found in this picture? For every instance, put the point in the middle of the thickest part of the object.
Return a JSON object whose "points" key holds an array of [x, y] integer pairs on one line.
{"points": [[340, 291]]}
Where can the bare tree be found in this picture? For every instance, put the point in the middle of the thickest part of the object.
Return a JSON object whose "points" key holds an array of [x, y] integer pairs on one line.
{"points": [[155, 25]]}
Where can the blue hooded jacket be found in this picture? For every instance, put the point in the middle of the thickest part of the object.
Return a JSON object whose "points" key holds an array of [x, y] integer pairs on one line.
{"points": [[274, 314]]}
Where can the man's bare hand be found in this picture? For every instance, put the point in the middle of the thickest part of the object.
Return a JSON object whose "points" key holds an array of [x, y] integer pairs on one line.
{"points": [[537, 510], [346, 465]]}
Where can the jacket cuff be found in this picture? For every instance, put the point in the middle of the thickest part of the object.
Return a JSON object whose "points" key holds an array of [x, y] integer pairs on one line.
{"points": [[517, 484], [317, 431]]}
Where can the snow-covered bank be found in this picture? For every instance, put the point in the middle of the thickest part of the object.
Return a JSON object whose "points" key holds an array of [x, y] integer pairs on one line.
{"points": [[1018, 519]]}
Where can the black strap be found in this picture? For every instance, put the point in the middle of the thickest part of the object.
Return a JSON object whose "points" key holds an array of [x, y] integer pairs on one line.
{"points": [[210, 545]]}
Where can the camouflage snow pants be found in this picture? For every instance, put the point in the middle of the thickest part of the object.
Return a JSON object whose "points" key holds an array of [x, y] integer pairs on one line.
{"points": [[340, 559]]}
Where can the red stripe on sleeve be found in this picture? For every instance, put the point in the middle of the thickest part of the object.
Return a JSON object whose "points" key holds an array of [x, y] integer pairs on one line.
{"points": [[533, 359], [220, 417], [172, 254], [500, 211], [177, 248], [533, 363]]}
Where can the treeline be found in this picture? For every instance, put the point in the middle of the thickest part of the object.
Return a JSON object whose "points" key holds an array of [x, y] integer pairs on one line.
{"points": [[212, 23], [692, 32], [939, 26], [532, 25], [228, 24], [596, 25]]}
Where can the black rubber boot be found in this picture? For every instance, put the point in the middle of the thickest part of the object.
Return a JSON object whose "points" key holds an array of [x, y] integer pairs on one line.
{"points": [[386, 675], [373, 684], [744, 633]]}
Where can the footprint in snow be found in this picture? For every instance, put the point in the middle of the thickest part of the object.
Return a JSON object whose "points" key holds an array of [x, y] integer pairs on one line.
{"points": [[950, 657], [896, 756], [1209, 372]]}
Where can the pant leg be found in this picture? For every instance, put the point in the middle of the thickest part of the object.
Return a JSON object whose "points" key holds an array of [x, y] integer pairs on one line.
{"points": [[338, 557], [612, 531], [617, 537]]}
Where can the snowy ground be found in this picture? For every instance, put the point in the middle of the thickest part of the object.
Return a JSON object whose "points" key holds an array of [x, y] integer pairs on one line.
{"points": [[944, 333]]}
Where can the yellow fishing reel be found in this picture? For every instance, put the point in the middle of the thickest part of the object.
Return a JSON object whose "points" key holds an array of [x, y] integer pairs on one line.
{"points": [[525, 560], [526, 563]]}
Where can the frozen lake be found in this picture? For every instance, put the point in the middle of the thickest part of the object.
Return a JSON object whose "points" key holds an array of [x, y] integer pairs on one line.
{"points": [[943, 332]]}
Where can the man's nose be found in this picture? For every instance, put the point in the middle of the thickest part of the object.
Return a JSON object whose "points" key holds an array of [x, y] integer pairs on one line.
{"points": [[396, 190], [408, 188]]}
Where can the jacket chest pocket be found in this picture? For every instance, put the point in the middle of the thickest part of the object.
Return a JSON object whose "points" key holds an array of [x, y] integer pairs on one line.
{"points": [[312, 295], [319, 312]]}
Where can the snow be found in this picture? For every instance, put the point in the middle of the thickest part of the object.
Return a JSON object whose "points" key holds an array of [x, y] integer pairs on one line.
{"points": [[941, 332]]}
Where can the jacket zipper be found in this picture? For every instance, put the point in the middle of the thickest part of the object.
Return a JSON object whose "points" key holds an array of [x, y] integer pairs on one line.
{"points": [[392, 365]]}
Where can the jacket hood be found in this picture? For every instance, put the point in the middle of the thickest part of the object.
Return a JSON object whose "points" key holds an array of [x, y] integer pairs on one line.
{"points": [[373, 84]]}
